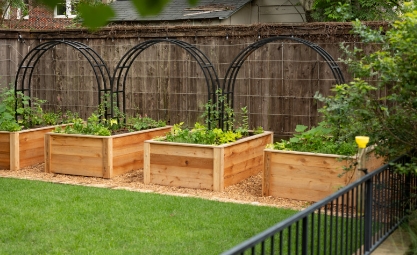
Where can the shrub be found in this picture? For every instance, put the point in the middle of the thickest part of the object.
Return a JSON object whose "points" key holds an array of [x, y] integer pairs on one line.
{"points": [[386, 108]]}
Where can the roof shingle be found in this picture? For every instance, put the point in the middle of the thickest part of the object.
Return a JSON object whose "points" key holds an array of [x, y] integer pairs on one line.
{"points": [[180, 10]]}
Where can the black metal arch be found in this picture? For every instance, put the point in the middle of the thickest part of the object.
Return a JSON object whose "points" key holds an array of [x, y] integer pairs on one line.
{"points": [[24, 73], [234, 67], [125, 63]]}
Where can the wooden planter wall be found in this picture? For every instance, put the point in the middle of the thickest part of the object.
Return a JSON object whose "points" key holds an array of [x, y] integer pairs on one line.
{"points": [[98, 156], [22, 148], [308, 176], [204, 166]]}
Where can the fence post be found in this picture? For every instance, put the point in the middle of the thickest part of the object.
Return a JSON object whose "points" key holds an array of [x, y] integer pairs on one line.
{"points": [[368, 215]]}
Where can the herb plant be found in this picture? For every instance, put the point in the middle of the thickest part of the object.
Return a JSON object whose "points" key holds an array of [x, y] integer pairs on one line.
{"points": [[200, 134], [211, 133], [140, 122], [317, 140]]}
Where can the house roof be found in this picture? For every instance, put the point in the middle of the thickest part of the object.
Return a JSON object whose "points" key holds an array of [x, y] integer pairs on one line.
{"points": [[180, 10]]}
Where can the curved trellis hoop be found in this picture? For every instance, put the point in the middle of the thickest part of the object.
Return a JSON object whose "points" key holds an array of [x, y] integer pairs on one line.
{"points": [[24, 73], [125, 63], [233, 70]]}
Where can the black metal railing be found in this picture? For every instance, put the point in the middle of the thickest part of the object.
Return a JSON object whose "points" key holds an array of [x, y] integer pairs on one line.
{"points": [[354, 220]]}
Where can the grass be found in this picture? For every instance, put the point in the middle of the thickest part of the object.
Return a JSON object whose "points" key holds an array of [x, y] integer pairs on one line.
{"points": [[410, 228], [46, 218]]}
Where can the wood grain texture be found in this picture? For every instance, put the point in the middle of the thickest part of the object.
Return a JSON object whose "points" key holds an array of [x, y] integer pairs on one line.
{"points": [[99, 156], [218, 169], [245, 158], [4, 150], [22, 148], [14, 151], [305, 176], [225, 164]]}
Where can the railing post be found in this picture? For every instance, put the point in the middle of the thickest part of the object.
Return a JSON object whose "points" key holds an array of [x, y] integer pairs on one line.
{"points": [[304, 240], [368, 215]]}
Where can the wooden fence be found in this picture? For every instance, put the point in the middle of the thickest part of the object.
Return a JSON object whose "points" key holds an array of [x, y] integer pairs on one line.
{"points": [[276, 83]]}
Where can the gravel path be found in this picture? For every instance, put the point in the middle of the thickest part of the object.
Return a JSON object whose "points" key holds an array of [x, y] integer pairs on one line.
{"points": [[248, 191]]}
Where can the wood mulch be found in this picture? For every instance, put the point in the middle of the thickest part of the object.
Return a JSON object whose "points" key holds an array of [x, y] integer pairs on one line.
{"points": [[248, 191]]}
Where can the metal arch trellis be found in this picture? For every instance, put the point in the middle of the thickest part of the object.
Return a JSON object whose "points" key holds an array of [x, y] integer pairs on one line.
{"points": [[234, 67], [125, 63], [24, 73]]}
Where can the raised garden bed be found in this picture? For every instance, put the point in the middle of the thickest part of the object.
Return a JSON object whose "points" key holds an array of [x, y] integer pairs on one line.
{"points": [[22, 148], [308, 176], [98, 156], [212, 167]]}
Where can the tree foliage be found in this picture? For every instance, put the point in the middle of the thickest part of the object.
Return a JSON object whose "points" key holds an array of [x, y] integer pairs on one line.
{"points": [[381, 101], [8, 4], [350, 10]]}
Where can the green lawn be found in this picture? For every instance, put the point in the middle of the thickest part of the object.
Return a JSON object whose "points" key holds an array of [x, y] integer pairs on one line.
{"points": [[46, 218]]}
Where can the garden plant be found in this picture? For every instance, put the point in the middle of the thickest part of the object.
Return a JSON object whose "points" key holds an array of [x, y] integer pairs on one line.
{"points": [[98, 124], [210, 132], [103, 147], [381, 101], [207, 156], [23, 124], [29, 112]]}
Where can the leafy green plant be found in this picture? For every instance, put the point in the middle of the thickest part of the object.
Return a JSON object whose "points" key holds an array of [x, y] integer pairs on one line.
{"points": [[318, 139], [382, 101], [140, 122], [348, 10], [7, 111], [211, 133], [98, 124], [29, 111], [93, 126], [200, 134]]}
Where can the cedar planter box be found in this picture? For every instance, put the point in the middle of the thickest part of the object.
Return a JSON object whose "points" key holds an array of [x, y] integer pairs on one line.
{"points": [[98, 156], [212, 167], [308, 176], [22, 148]]}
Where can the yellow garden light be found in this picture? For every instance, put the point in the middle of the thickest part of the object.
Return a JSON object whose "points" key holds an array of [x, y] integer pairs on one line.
{"points": [[362, 141]]}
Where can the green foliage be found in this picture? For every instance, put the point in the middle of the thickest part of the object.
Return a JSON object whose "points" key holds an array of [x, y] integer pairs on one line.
{"points": [[258, 130], [202, 134], [138, 123], [349, 10], [97, 124], [318, 139], [7, 4], [7, 111], [29, 116], [244, 125], [382, 101], [85, 13], [93, 126], [213, 112]]}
